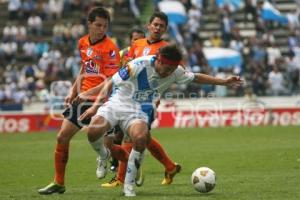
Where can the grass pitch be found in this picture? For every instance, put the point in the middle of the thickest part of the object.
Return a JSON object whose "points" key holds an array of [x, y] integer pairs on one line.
{"points": [[250, 163]]}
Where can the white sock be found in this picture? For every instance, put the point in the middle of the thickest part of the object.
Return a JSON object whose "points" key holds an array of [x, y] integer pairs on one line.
{"points": [[99, 147], [134, 162]]}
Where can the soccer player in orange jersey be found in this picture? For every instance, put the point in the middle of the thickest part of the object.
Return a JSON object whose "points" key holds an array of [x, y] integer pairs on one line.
{"points": [[100, 60], [150, 45]]}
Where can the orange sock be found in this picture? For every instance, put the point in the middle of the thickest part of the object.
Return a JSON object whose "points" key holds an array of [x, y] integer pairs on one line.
{"points": [[159, 153], [119, 153], [61, 159], [123, 165]]}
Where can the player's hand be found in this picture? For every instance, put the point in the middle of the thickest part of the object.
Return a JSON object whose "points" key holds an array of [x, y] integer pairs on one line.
{"points": [[88, 113], [80, 98], [234, 81], [68, 100]]}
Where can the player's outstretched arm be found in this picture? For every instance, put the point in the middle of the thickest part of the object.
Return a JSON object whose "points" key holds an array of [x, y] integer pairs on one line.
{"points": [[233, 81]]}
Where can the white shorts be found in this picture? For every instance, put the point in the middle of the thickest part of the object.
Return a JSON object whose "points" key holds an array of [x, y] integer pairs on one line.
{"points": [[122, 115]]}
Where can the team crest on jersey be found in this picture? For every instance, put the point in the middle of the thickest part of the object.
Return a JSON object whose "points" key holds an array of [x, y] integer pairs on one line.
{"points": [[91, 67], [124, 73], [89, 51], [112, 53], [146, 51]]}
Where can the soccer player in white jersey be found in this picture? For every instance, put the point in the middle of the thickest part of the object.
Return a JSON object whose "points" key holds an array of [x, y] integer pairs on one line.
{"points": [[134, 89]]}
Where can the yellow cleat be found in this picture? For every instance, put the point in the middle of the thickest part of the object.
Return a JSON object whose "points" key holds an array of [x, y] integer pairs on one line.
{"points": [[112, 184], [168, 179]]}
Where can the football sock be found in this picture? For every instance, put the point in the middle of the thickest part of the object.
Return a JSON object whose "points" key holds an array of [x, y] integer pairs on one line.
{"points": [[61, 158], [134, 162], [99, 147], [159, 153], [119, 153], [123, 165]]}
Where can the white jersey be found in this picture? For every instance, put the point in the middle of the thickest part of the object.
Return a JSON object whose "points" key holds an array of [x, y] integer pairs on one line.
{"points": [[137, 84], [135, 88]]}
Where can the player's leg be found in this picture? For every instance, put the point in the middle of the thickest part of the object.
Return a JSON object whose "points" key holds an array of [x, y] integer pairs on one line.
{"points": [[117, 140], [118, 180], [138, 132], [116, 150], [61, 155], [96, 130], [158, 152], [70, 126]]}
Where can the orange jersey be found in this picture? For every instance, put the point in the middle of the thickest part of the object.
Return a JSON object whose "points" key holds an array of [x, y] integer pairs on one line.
{"points": [[142, 47], [99, 61]]}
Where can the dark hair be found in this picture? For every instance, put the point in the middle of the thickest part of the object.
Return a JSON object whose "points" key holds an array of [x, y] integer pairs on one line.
{"points": [[98, 12], [159, 15], [136, 30], [171, 52]]}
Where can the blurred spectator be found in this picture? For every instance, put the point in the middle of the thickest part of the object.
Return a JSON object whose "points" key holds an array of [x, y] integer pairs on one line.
{"points": [[134, 8], [35, 25], [73, 64], [28, 7], [14, 7], [216, 40], [258, 83], [41, 47], [58, 32], [227, 23], [293, 74], [9, 50], [77, 30], [55, 8], [276, 83], [194, 18], [250, 10], [21, 35], [29, 48], [44, 61], [42, 9], [293, 19], [273, 53]]}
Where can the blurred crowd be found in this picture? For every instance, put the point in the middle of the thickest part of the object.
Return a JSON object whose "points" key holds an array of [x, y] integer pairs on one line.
{"points": [[30, 59]]}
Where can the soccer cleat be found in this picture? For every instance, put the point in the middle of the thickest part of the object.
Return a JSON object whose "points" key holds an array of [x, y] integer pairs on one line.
{"points": [[114, 182], [129, 191], [102, 166], [139, 180], [52, 188], [170, 175]]}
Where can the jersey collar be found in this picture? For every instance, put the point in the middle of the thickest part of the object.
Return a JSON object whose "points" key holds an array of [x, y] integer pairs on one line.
{"points": [[97, 40], [149, 42]]}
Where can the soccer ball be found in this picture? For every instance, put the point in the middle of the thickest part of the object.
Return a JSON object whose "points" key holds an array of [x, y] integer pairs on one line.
{"points": [[204, 179]]}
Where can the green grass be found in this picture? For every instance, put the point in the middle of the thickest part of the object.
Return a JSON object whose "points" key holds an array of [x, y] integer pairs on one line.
{"points": [[250, 163]]}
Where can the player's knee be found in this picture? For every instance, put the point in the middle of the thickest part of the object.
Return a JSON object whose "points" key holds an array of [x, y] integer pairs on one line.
{"points": [[93, 134], [63, 137], [140, 142]]}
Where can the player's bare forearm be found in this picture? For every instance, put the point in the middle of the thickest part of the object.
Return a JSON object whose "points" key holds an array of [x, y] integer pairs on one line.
{"points": [[233, 81], [89, 94], [105, 91], [207, 79]]}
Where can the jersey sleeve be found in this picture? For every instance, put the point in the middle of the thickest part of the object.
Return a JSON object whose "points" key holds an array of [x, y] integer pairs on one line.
{"points": [[129, 71], [183, 76]]}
